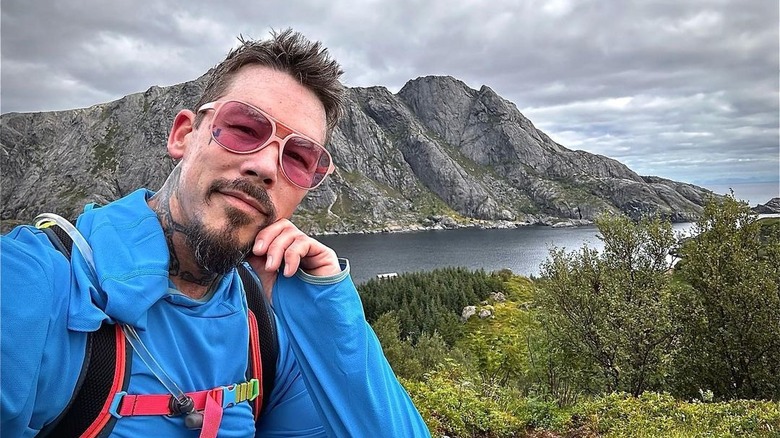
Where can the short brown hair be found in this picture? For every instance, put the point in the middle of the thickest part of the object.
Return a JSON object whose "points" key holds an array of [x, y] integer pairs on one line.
{"points": [[289, 52]]}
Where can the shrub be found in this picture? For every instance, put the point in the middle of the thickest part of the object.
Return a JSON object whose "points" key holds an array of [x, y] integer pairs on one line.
{"points": [[612, 314], [732, 334], [660, 415], [453, 404]]}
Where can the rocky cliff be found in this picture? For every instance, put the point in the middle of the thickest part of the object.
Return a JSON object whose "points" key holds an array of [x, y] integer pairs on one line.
{"points": [[437, 151], [771, 207]]}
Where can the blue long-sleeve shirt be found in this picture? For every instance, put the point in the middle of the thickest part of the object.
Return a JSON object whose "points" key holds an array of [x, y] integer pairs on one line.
{"points": [[332, 378]]}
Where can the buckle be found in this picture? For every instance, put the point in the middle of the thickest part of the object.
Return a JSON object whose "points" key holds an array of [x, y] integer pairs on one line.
{"points": [[229, 395], [254, 389], [115, 404], [238, 392]]}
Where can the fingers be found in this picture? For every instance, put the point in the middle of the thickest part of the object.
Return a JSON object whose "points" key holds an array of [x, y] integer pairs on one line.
{"points": [[282, 243]]}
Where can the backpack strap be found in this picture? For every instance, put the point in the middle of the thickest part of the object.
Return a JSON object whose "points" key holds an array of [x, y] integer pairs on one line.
{"points": [[262, 336], [105, 371]]}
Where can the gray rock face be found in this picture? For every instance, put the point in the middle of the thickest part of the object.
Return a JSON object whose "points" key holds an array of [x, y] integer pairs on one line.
{"points": [[437, 148], [771, 207]]}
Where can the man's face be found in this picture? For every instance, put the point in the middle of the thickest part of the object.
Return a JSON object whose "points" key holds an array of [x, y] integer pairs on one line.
{"points": [[232, 196]]}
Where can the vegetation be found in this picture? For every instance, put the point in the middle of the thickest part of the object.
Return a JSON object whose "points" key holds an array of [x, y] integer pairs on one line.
{"points": [[616, 312], [628, 341], [428, 303], [732, 334]]}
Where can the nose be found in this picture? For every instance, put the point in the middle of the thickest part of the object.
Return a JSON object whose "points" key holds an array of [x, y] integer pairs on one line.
{"points": [[263, 165]]}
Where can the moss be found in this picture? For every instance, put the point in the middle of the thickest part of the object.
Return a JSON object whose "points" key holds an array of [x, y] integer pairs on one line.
{"points": [[428, 204], [103, 153], [73, 195], [344, 206]]}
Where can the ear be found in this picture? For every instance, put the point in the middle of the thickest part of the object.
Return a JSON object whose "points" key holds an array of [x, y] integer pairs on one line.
{"points": [[180, 134]]}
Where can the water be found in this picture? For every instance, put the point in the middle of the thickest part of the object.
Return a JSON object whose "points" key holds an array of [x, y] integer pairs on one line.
{"points": [[520, 249]]}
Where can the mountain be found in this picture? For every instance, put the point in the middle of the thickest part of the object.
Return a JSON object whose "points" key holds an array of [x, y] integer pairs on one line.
{"points": [[435, 152], [771, 207]]}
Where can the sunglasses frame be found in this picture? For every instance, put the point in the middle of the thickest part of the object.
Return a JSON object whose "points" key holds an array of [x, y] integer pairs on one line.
{"points": [[218, 104]]}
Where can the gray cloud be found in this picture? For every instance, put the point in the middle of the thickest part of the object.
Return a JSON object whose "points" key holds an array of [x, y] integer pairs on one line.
{"points": [[684, 90]]}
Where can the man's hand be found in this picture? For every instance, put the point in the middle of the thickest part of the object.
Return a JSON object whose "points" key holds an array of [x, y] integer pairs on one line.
{"points": [[283, 241]]}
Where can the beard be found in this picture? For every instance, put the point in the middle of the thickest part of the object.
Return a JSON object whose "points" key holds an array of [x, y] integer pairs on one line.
{"points": [[220, 250]]}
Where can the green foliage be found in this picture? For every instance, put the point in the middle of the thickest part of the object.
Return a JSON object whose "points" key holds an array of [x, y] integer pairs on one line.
{"points": [[660, 415], [453, 404], [498, 346], [408, 360], [428, 302], [517, 288], [612, 314], [732, 332], [507, 378], [769, 228]]}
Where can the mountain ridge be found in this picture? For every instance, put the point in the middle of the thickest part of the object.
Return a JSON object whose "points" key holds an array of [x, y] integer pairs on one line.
{"points": [[435, 150]]}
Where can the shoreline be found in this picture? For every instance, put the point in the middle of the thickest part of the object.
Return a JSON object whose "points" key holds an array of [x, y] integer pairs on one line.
{"points": [[448, 223]]}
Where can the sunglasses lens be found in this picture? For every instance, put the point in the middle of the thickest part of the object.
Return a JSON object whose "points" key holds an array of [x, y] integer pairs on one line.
{"points": [[240, 128], [304, 162]]}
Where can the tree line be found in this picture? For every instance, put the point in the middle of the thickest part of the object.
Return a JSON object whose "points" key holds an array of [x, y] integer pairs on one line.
{"points": [[652, 313]]}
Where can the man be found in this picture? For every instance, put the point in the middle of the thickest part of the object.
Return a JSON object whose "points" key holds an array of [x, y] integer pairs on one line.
{"points": [[164, 267]]}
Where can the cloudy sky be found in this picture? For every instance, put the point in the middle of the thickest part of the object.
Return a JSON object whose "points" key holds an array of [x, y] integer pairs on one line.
{"points": [[683, 89]]}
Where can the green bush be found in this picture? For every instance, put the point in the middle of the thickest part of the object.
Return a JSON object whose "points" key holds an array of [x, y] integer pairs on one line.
{"points": [[455, 405], [612, 314], [731, 341], [506, 377], [409, 360], [661, 415]]}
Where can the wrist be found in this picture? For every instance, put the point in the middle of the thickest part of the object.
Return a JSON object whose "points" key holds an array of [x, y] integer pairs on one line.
{"points": [[339, 272], [324, 271]]}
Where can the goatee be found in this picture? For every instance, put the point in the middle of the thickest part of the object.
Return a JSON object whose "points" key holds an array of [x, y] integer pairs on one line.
{"points": [[219, 251]]}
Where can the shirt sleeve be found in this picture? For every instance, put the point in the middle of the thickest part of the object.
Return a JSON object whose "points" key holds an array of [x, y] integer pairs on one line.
{"points": [[30, 397], [354, 390]]}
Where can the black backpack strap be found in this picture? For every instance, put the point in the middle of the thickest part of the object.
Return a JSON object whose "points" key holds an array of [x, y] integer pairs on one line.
{"points": [[59, 239], [87, 412], [105, 371], [266, 323]]}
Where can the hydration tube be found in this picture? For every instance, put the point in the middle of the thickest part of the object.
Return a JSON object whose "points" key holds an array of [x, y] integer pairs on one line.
{"points": [[185, 404], [75, 235]]}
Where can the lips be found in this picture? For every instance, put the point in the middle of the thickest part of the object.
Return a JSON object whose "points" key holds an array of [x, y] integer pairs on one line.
{"points": [[245, 199]]}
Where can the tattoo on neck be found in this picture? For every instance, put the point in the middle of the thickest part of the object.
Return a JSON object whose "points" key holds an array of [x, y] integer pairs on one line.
{"points": [[170, 227]]}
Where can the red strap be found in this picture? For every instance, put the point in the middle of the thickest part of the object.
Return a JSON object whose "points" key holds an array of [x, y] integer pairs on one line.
{"points": [[257, 363], [212, 415], [208, 402], [158, 404], [119, 377]]}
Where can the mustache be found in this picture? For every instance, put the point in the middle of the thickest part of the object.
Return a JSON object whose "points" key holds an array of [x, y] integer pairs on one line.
{"points": [[251, 190]]}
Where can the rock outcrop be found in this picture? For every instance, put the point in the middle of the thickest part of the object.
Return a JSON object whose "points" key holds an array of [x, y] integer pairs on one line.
{"points": [[771, 207]]}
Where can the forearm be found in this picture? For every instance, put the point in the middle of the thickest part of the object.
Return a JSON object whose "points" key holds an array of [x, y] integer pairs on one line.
{"points": [[353, 387]]}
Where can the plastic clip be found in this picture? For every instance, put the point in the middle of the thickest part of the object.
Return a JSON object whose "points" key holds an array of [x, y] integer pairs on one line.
{"points": [[229, 395], [179, 407], [115, 404], [254, 388]]}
